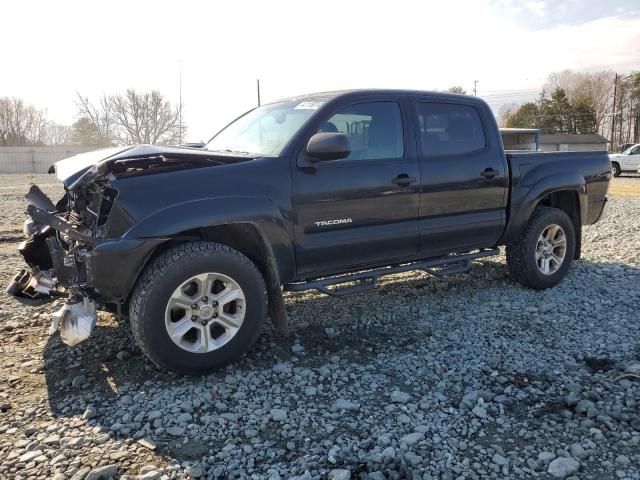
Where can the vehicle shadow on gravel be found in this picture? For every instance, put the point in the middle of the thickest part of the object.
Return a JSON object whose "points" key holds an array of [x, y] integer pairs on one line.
{"points": [[106, 367]]}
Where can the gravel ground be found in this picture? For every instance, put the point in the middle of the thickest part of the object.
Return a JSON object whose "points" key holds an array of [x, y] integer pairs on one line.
{"points": [[470, 376]]}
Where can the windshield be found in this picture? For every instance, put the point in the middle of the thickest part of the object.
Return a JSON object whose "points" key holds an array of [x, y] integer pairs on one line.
{"points": [[629, 150], [265, 130]]}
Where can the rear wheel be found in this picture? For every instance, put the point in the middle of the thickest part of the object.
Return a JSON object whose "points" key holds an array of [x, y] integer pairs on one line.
{"points": [[197, 307], [615, 169], [542, 255]]}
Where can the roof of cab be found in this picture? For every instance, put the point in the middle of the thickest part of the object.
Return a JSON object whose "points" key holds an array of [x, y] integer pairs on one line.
{"points": [[326, 96]]}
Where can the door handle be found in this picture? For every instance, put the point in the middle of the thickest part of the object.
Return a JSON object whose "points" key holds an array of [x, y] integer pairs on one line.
{"points": [[403, 180], [489, 173]]}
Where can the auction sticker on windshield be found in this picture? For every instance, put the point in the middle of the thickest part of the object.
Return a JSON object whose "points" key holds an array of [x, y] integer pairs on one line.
{"points": [[308, 105]]}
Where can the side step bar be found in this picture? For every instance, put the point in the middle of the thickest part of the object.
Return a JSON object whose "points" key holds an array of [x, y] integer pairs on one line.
{"points": [[364, 281]]}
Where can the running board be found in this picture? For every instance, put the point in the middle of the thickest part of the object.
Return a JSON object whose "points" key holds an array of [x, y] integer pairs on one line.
{"points": [[364, 281]]}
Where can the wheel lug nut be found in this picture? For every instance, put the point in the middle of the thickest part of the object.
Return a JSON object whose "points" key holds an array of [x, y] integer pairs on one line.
{"points": [[215, 315], [214, 303], [195, 305], [194, 318], [205, 299]]}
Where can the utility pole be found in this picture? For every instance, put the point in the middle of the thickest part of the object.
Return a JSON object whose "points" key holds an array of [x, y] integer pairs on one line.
{"points": [[613, 113], [258, 85], [180, 104], [475, 88]]}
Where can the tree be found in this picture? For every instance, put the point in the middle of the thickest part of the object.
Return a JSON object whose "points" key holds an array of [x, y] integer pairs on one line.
{"points": [[85, 133], [526, 116], [457, 89], [132, 117], [57, 134], [100, 118], [21, 124], [594, 88], [555, 112], [583, 117]]}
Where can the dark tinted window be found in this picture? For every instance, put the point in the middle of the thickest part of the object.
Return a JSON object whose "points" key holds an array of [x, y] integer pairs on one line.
{"points": [[449, 129], [374, 130]]}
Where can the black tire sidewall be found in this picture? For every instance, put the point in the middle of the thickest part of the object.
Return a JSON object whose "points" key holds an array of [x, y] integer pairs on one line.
{"points": [[615, 170], [537, 278], [155, 334]]}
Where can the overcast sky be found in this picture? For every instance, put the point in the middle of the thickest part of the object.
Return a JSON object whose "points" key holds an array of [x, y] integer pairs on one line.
{"points": [[51, 49]]}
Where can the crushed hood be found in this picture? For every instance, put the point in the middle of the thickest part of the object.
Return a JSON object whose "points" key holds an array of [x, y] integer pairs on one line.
{"points": [[102, 161], [79, 163]]}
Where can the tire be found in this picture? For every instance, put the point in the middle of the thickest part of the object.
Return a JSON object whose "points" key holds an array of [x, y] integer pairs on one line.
{"points": [[615, 169], [522, 255], [187, 271]]}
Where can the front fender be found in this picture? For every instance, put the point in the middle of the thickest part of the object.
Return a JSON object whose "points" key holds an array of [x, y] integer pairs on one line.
{"points": [[530, 192], [209, 212]]}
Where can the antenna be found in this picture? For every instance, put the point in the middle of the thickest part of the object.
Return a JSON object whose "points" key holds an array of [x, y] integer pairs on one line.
{"points": [[180, 101], [475, 88], [258, 85]]}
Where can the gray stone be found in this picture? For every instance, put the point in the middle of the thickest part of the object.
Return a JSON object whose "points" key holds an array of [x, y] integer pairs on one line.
{"points": [[278, 414], [185, 417], [344, 404], [546, 457], [578, 451], [102, 473], [412, 438], [27, 457], [623, 460], [123, 355], [563, 467], [147, 442], [194, 471], [479, 411], [339, 474], [78, 381], [584, 405], [175, 431], [499, 459], [398, 396], [153, 415]]}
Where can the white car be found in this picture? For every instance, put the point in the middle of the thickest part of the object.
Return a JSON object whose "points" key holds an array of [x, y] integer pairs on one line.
{"points": [[626, 162]]}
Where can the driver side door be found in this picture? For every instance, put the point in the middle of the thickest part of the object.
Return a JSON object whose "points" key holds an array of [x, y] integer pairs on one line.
{"points": [[363, 209]]}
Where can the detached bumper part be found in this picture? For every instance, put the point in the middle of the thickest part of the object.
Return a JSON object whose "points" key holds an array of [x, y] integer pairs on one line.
{"points": [[75, 320], [33, 289]]}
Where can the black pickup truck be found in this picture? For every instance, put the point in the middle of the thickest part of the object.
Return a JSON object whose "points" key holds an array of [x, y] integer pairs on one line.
{"points": [[326, 191]]}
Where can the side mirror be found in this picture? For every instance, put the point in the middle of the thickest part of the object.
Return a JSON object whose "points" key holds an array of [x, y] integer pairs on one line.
{"points": [[328, 146]]}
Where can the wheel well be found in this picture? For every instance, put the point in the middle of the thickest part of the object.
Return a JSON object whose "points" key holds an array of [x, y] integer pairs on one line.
{"points": [[243, 237], [569, 202]]}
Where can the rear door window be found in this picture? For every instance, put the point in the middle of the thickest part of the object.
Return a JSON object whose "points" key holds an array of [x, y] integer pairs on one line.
{"points": [[449, 129]]}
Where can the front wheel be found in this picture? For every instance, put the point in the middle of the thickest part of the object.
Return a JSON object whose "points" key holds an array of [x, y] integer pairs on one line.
{"points": [[542, 255], [198, 307], [615, 169]]}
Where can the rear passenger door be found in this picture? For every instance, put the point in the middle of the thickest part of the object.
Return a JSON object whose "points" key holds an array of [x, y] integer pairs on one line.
{"points": [[463, 195], [362, 209]]}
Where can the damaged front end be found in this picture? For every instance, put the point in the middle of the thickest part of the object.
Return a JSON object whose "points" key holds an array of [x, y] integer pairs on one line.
{"points": [[60, 238], [79, 248]]}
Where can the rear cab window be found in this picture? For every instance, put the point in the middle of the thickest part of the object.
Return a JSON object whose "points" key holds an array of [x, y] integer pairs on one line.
{"points": [[449, 129]]}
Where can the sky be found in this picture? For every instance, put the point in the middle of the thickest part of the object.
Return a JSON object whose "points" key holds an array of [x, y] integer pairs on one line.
{"points": [[51, 50]]}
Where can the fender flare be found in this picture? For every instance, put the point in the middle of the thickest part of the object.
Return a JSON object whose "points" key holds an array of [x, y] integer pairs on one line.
{"points": [[216, 211], [530, 196]]}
